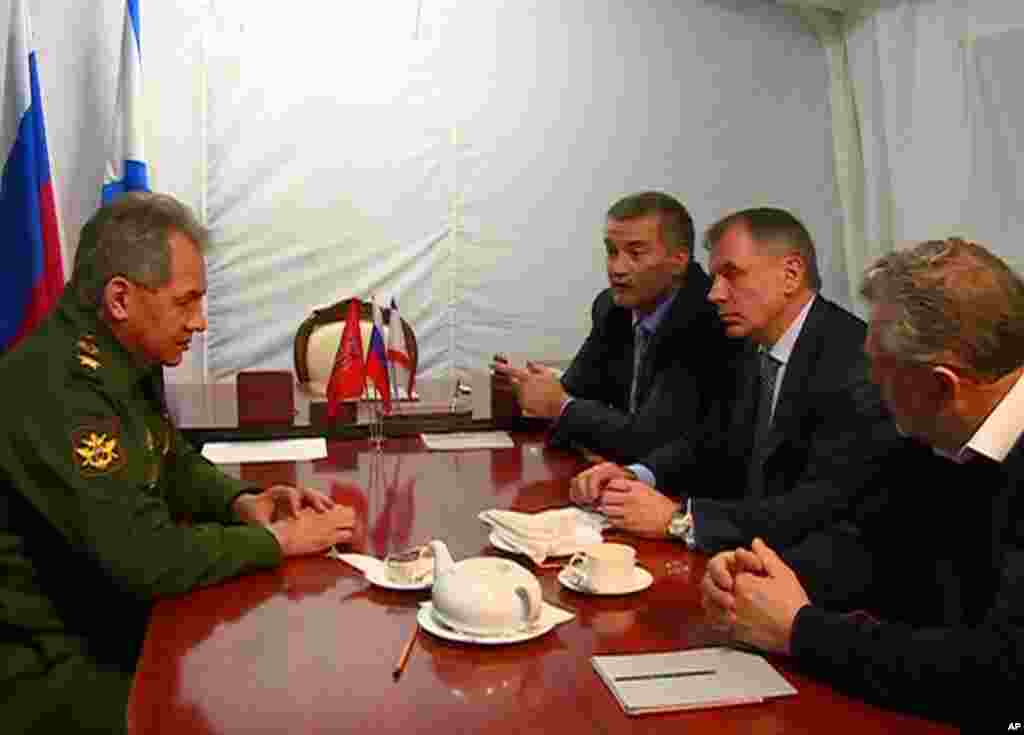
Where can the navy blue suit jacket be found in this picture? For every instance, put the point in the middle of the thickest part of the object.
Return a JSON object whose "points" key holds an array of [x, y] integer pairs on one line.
{"points": [[829, 433], [683, 373], [936, 553]]}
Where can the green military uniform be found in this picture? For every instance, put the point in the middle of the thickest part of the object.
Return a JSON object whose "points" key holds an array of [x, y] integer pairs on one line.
{"points": [[92, 478]]}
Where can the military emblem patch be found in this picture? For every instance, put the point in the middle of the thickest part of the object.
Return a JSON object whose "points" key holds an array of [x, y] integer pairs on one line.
{"points": [[96, 449]]}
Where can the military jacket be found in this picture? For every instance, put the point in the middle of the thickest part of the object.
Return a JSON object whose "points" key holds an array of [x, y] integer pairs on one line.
{"points": [[93, 477]]}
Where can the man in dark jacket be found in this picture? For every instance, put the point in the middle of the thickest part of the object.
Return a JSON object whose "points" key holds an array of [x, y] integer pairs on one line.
{"points": [[654, 359], [785, 454], [934, 560]]}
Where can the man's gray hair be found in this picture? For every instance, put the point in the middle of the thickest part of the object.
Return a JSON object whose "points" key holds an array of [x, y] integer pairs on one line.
{"points": [[775, 231], [955, 303], [131, 238]]}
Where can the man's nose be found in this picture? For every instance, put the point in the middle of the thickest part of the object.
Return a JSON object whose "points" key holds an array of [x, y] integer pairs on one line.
{"points": [[718, 291], [617, 263], [198, 322]]}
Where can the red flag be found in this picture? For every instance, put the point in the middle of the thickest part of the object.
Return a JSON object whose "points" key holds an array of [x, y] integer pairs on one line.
{"points": [[377, 361], [349, 373]]}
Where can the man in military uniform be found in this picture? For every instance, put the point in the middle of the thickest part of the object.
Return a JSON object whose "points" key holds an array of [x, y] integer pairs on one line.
{"points": [[93, 476]]}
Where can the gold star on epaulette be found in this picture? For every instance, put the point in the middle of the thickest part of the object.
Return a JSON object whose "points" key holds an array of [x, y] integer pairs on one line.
{"points": [[88, 352], [87, 344]]}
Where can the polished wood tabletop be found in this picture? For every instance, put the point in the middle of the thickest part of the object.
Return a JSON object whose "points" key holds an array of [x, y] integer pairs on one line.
{"points": [[309, 647]]}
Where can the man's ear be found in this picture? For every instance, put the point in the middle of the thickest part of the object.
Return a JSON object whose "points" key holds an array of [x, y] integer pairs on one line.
{"points": [[680, 260], [947, 386], [793, 268], [117, 296]]}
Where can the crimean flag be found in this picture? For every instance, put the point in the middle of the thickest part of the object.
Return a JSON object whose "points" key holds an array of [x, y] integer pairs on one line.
{"points": [[398, 352], [126, 168], [32, 275], [377, 360], [349, 373]]}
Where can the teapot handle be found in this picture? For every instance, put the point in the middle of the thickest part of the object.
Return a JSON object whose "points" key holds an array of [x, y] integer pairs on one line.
{"points": [[532, 602]]}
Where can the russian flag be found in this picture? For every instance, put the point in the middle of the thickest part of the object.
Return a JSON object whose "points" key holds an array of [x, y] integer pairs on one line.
{"points": [[377, 361], [32, 276], [126, 168]]}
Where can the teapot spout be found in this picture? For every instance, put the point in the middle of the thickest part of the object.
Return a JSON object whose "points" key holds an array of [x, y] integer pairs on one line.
{"points": [[442, 558]]}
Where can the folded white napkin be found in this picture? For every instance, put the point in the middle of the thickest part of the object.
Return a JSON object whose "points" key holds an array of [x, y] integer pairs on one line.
{"points": [[558, 532]]}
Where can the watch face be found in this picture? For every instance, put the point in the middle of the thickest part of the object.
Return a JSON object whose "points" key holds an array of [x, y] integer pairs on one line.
{"points": [[679, 525]]}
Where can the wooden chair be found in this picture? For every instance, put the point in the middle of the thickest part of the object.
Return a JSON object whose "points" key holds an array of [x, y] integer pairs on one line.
{"points": [[318, 337]]}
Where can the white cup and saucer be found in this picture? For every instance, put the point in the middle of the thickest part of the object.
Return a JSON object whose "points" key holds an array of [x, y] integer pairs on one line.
{"points": [[605, 569]]}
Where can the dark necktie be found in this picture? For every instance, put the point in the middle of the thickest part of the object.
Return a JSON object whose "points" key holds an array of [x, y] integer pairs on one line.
{"points": [[768, 374], [641, 338]]}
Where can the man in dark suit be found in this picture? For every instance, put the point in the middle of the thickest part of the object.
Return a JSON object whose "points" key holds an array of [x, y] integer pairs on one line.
{"points": [[945, 571], [775, 461], [654, 357]]}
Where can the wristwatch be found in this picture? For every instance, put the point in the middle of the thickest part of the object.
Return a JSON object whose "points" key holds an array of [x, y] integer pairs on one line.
{"points": [[679, 525]]}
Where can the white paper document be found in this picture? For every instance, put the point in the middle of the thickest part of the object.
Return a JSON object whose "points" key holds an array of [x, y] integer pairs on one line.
{"points": [[278, 450], [469, 440], [703, 677]]}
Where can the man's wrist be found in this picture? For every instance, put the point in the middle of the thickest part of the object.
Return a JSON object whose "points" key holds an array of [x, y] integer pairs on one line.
{"points": [[279, 532], [643, 474], [808, 613], [239, 506], [679, 524], [246, 492]]}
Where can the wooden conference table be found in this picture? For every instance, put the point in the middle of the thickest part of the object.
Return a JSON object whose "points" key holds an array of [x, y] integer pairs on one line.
{"points": [[309, 647]]}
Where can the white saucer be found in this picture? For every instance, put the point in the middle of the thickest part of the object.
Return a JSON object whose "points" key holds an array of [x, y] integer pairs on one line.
{"points": [[642, 579], [379, 579], [551, 616]]}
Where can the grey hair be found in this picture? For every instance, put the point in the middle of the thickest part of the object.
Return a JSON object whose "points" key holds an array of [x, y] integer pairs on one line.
{"points": [[131, 238], [775, 231], [955, 302]]}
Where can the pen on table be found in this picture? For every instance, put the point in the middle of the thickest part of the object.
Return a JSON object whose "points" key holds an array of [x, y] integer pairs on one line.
{"points": [[667, 675], [406, 650]]}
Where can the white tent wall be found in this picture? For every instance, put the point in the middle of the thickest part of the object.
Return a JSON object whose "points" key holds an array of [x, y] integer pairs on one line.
{"points": [[937, 93], [456, 155], [466, 171]]}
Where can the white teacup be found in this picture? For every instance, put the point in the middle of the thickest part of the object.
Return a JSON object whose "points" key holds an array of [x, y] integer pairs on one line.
{"points": [[603, 567], [411, 566]]}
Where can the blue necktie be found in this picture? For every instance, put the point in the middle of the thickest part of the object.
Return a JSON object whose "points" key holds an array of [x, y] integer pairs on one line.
{"points": [[641, 337], [769, 373]]}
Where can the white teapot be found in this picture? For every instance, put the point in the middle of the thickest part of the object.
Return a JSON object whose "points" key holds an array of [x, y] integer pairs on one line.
{"points": [[485, 595]]}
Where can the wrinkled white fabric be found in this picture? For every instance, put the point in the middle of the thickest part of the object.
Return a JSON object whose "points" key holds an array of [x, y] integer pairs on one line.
{"points": [[558, 532]]}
